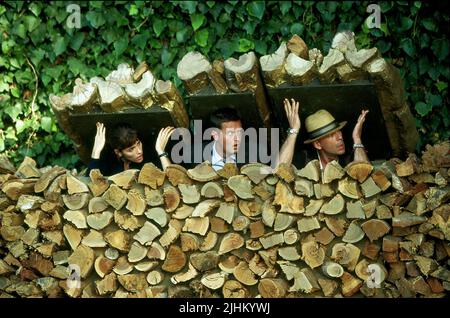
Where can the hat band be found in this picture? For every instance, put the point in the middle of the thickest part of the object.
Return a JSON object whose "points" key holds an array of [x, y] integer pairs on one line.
{"points": [[323, 130]]}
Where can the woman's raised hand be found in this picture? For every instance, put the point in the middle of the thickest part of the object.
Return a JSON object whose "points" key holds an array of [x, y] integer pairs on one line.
{"points": [[99, 141], [163, 138]]}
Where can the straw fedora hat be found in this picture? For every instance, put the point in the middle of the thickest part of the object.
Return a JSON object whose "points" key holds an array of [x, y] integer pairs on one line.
{"points": [[321, 124]]}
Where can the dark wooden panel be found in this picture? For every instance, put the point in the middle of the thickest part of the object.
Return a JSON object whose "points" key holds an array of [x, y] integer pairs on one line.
{"points": [[202, 105], [344, 102], [147, 122]]}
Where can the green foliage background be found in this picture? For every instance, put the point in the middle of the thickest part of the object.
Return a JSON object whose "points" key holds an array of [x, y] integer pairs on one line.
{"points": [[413, 36]]}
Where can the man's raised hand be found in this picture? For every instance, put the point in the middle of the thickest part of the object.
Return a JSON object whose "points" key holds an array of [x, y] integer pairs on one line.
{"points": [[292, 115], [358, 127]]}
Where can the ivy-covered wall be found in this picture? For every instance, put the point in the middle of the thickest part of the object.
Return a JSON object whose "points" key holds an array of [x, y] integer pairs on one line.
{"points": [[41, 54]]}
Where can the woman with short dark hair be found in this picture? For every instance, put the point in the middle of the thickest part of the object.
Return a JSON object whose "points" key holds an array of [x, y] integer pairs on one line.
{"points": [[124, 150]]}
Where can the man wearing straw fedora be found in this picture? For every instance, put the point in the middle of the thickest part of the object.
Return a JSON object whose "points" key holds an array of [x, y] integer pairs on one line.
{"points": [[325, 136]]}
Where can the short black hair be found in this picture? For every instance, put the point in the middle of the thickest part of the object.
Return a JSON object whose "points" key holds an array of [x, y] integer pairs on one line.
{"points": [[223, 115], [122, 136]]}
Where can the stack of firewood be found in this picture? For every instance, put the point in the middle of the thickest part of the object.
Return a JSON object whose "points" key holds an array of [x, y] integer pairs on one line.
{"points": [[376, 231], [122, 90], [293, 63]]}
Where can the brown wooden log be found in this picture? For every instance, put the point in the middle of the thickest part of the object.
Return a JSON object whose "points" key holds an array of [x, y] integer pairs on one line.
{"points": [[332, 269], [230, 242], [354, 233], [346, 255], [334, 206], [76, 201], [333, 171], [14, 188], [323, 190], [350, 284], [313, 254], [327, 70], [152, 176], [299, 71], [349, 188], [103, 266], [171, 198], [197, 225], [272, 288], [244, 275], [234, 289], [127, 221], [251, 209], [315, 56], [175, 260], [98, 184], [44, 181], [118, 239], [156, 251], [115, 196], [83, 256], [99, 221], [336, 225], [359, 170], [226, 211], [27, 169], [375, 229], [184, 277], [256, 172], [313, 207], [125, 179], [311, 171], [324, 236], [288, 202], [241, 185], [110, 95], [380, 179], [77, 218], [177, 175], [141, 92], [355, 210], [170, 98], [272, 66], [307, 224]]}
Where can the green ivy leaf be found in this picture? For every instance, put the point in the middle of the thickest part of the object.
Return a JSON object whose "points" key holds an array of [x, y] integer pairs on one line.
{"points": [[34, 7], [429, 24], [408, 47], [424, 65], [201, 37], [197, 20], [297, 28], [76, 41], [20, 126], [406, 24], [256, 9], [75, 66], [38, 34], [158, 26], [133, 10], [261, 47], [60, 46], [422, 108], [440, 48], [95, 19], [13, 111], [20, 30], [245, 45], [441, 86], [46, 123], [188, 6], [120, 45], [140, 40], [285, 6], [182, 35], [31, 22], [167, 57]]}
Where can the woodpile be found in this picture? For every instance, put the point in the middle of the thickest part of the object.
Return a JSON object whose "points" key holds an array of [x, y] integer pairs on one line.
{"points": [[295, 65], [123, 90], [145, 235], [200, 77]]}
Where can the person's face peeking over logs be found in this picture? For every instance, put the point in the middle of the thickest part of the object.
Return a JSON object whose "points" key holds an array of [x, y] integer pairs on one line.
{"points": [[133, 153]]}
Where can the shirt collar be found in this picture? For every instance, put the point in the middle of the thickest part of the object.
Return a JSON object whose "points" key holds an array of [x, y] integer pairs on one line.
{"points": [[217, 160]]}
